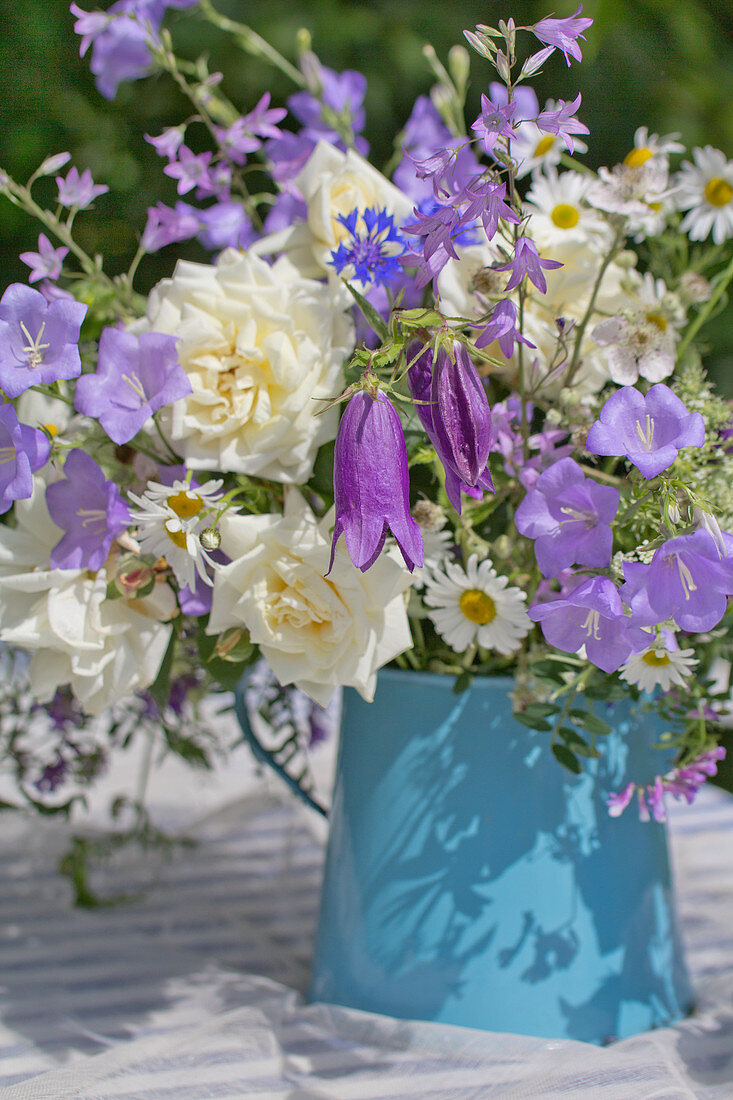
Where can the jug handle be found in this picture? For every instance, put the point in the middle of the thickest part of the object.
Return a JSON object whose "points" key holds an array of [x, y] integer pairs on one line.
{"points": [[265, 756]]}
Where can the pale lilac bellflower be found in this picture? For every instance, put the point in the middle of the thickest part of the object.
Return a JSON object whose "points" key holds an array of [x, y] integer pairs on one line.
{"points": [[135, 376], [562, 123], [46, 263], [527, 261], [38, 339], [79, 190], [23, 450], [191, 170], [569, 517], [371, 483], [494, 122], [166, 225], [648, 429], [591, 615], [89, 509], [563, 33], [502, 327]]}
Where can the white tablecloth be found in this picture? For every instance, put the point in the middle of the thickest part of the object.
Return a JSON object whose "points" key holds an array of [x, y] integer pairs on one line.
{"points": [[194, 988]]}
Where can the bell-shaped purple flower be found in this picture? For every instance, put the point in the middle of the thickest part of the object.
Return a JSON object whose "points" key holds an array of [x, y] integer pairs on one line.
{"points": [[23, 450], [89, 509], [461, 413], [420, 381], [38, 339], [371, 483], [648, 430], [569, 515], [591, 615]]}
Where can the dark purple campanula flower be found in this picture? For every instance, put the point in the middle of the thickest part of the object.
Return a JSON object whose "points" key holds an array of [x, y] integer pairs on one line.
{"points": [[461, 413], [591, 615], [648, 430], [687, 580], [419, 377], [23, 450], [569, 516], [371, 483], [89, 509], [135, 377], [38, 339]]}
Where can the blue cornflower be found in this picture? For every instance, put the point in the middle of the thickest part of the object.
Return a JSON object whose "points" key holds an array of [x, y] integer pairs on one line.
{"points": [[370, 252]]}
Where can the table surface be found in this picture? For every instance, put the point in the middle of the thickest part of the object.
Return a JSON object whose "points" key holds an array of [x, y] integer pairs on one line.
{"points": [[194, 987]]}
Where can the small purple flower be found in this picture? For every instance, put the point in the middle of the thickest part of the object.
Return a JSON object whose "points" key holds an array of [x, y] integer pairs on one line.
{"points": [[225, 225], [89, 24], [526, 261], [591, 615], [23, 450], [569, 516], [420, 381], [494, 122], [524, 97], [166, 225], [686, 581], [89, 509], [46, 263], [168, 143], [461, 413], [341, 95], [648, 430], [502, 327], [371, 483], [38, 339], [370, 252], [191, 170], [79, 190], [121, 47], [135, 377], [682, 782], [245, 134], [562, 123], [562, 33]]}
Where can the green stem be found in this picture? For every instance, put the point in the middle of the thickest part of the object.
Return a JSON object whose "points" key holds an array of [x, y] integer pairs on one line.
{"points": [[176, 457], [57, 227], [251, 42], [695, 326], [580, 332]]}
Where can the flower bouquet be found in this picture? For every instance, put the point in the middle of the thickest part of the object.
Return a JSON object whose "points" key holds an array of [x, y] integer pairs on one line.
{"points": [[452, 422]]}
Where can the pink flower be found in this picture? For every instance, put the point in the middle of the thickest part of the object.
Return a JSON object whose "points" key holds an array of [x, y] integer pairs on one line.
{"points": [[46, 263]]}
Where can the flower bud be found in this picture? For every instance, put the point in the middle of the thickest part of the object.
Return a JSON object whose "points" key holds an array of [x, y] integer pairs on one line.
{"points": [[133, 580], [210, 538], [503, 67], [461, 413], [233, 645], [459, 65], [53, 164], [483, 46]]}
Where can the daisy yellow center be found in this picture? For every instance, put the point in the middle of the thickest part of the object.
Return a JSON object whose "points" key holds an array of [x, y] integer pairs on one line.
{"points": [[51, 429], [718, 192], [658, 320], [177, 537], [656, 660], [637, 157], [565, 216], [477, 606], [544, 145], [185, 506]]}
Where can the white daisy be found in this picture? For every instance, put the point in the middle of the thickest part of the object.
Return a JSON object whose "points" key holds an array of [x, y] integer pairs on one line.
{"points": [[639, 192], [705, 190], [170, 519], [648, 145], [560, 213], [659, 666], [476, 606], [642, 341]]}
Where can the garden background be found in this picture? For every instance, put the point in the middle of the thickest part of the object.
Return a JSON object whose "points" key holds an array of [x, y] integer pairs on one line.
{"points": [[666, 64]]}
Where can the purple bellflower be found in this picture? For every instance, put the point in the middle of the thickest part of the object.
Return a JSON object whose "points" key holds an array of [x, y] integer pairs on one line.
{"points": [[166, 225], [23, 450], [38, 339], [502, 327], [420, 378], [135, 377], [562, 122], [191, 170], [526, 261], [79, 190], [687, 580], [46, 263], [563, 33], [89, 509], [494, 122], [225, 225], [341, 94], [569, 516], [371, 483], [461, 413], [648, 430], [168, 142], [245, 135], [370, 252], [591, 615]]}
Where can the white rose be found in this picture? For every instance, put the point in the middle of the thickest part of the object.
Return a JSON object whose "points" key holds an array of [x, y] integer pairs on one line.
{"points": [[105, 649], [314, 631], [259, 345], [333, 183]]}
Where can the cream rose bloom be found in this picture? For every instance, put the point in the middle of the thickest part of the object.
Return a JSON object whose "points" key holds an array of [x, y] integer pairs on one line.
{"points": [[314, 631], [332, 183], [260, 344], [105, 649]]}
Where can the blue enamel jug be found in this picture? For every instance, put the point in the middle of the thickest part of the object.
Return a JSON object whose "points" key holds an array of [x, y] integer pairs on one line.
{"points": [[472, 880]]}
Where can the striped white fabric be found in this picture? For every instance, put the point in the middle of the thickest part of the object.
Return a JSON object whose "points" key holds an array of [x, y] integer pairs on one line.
{"points": [[193, 988]]}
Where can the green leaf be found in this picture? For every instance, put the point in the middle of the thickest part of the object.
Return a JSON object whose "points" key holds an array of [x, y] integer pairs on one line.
{"points": [[370, 313], [161, 688], [533, 723], [420, 318], [577, 743], [463, 682], [592, 723], [540, 710], [567, 758]]}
